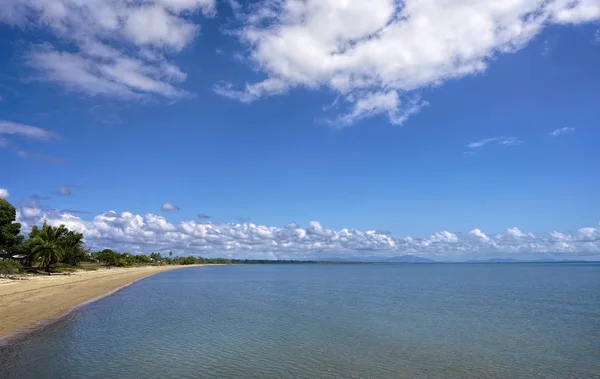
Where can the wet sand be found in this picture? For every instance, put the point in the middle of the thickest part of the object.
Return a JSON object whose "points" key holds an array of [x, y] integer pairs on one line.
{"points": [[38, 300]]}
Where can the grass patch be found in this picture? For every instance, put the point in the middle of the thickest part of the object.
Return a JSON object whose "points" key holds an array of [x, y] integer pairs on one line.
{"points": [[92, 266], [63, 267], [9, 267]]}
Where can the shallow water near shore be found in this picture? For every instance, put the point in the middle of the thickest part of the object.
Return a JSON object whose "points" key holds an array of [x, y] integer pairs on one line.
{"points": [[330, 321]]}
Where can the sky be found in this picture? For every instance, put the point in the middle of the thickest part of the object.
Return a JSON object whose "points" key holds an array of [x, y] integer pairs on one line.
{"points": [[285, 129]]}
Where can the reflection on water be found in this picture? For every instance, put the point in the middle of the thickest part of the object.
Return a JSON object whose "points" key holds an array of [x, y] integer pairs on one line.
{"points": [[330, 321]]}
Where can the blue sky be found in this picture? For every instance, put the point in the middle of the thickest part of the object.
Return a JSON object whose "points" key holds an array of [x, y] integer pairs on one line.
{"points": [[452, 122]]}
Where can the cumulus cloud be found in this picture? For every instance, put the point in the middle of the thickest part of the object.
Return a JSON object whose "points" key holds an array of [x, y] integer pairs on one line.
{"points": [[121, 48], [4, 193], [560, 131], [145, 233], [517, 233], [169, 207], [64, 191], [377, 55], [479, 234], [443, 236], [30, 212]]}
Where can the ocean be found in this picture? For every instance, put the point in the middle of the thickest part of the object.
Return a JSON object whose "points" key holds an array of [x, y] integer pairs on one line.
{"points": [[530, 320]]}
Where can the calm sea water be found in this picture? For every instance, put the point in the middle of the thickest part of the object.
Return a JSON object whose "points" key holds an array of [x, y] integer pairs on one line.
{"points": [[330, 321]]}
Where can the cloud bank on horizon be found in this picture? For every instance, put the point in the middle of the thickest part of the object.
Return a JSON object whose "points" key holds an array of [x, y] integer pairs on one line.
{"points": [[146, 233], [375, 56]]}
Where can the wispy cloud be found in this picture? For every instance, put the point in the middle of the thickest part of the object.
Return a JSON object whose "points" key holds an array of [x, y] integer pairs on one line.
{"points": [[64, 191], [203, 216], [169, 207], [73, 211], [117, 49], [510, 141], [398, 109], [560, 131], [503, 141], [27, 131], [37, 197], [15, 130], [41, 157]]}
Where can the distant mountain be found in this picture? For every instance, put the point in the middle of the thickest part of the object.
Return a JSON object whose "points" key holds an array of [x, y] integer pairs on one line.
{"points": [[376, 259], [408, 259]]}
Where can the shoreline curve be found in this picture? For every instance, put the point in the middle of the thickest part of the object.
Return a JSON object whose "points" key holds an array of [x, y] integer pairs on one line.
{"points": [[16, 332]]}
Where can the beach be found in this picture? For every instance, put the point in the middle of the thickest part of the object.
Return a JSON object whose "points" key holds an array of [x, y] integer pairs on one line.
{"points": [[28, 303]]}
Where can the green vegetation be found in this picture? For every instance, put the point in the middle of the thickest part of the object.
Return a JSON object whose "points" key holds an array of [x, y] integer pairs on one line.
{"points": [[10, 238], [44, 246], [9, 267]]}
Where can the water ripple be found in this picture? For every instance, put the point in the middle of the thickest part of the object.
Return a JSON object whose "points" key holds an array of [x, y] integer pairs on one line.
{"points": [[400, 321]]}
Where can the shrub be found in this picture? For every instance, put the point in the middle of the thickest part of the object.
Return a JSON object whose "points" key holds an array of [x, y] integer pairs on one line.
{"points": [[10, 267]]}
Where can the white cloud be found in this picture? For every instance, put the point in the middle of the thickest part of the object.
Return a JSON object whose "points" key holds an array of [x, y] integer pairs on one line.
{"points": [[377, 55], [517, 233], [444, 236], [4, 193], [503, 141], [136, 233], [565, 130], [588, 234], [479, 234], [15, 129], [510, 141], [64, 191], [120, 47], [168, 207], [365, 105], [30, 212]]}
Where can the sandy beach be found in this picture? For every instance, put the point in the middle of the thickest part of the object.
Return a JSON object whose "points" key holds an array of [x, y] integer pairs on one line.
{"points": [[25, 304]]}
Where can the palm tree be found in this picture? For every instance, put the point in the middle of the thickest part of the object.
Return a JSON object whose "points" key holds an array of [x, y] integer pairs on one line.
{"points": [[45, 247]]}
